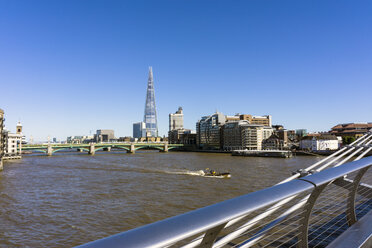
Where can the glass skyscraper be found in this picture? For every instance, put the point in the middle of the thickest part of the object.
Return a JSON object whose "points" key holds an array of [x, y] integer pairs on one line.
{"points": [[150, 108]]}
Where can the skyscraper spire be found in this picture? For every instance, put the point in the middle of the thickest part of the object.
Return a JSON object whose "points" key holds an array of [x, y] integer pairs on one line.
{"points": [[150, 108]]}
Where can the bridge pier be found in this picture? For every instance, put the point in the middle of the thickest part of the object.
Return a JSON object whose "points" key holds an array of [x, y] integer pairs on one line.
{"points": [[107, 149], [132, 149], [49, 150], [92, 149], [1, 164], [165, 147]]}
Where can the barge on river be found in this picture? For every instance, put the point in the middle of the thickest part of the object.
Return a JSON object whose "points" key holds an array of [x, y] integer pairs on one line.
{"points": [[262, 153]]}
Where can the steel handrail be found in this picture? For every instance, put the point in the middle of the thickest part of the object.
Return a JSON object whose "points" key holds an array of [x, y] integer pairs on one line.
{"points": [[169, 231]]}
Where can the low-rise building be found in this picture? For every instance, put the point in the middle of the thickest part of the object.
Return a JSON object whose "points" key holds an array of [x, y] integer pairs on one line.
{"points": [[83, 139], [319, 143], [126, 139], [355, 130], [182, 136], [274, 142], [12, 144]]}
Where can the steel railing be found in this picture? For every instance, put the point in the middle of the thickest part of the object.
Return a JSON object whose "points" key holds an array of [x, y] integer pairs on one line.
{"points": [[309, 209]]}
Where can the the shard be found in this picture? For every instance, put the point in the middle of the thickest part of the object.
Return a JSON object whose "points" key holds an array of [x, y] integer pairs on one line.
{"points": [[150, 108]]}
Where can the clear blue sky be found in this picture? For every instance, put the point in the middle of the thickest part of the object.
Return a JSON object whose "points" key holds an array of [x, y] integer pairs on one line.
{"points": [[68, 67]]}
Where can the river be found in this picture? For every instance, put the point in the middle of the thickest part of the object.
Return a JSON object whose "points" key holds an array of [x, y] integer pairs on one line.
{"points": [[73, 198]]}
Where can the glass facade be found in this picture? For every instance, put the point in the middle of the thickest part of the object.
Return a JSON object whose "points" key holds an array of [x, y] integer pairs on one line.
{"points": [[150, 108]]}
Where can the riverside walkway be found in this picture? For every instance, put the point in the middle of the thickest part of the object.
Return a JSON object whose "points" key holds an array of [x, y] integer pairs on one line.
{"points": [[92, 148], [324, 205]]}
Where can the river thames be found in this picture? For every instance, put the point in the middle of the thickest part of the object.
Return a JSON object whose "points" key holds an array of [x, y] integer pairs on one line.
{"points": [[71, 198]]}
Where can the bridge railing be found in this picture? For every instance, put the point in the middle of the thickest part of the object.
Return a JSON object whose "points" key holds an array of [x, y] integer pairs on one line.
{"points": [[307, 212]]}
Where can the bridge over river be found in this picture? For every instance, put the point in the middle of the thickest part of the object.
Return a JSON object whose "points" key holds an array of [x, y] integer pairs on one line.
{"points": [[92, 148], [327, 204]]}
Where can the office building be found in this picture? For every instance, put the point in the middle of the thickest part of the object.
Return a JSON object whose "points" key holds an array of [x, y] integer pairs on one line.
{"points": [[208, 131], [150, 108], [139, 129], [104, 135], [264, 120], [176, 120]]}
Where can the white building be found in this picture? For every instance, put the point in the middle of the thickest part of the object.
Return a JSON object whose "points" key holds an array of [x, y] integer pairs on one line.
{"points": [[12, 144], [319, 143]]}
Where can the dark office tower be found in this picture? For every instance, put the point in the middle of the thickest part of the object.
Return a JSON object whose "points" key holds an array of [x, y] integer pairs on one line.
{"points": [[150, 109]]}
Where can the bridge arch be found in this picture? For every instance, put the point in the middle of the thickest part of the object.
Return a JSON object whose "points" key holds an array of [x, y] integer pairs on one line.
{"points": [[101, 148], [63, 148], [122, 147], [40, 150], [151, 147]]}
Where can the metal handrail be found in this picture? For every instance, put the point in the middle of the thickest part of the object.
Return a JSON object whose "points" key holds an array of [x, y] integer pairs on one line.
{"points": [[169, 231]]}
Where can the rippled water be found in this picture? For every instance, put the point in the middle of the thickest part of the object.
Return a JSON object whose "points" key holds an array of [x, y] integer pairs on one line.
{"points": [[71, 198]]}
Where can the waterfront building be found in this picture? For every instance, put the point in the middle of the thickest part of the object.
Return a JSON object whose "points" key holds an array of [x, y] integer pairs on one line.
{"points": [[274, 142], [12, 142], [253, 136], [182, 136], [319, 143], [150, 108], [176, 120], [1, 138], [104, 135], [232, 135], [355, 130], [208, 131], [188, 137], [283, 136], [241, 135], [139, 129], [12, 145]]}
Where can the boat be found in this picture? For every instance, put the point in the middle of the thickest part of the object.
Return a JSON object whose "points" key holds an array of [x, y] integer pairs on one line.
{"points": [[215, 174]]}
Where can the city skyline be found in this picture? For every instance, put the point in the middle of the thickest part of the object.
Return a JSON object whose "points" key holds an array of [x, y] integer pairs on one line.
{"points": [[75, 67]]}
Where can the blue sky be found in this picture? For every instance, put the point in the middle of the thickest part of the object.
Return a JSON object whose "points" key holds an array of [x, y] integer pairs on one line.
{"points": [[71, 67]]}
